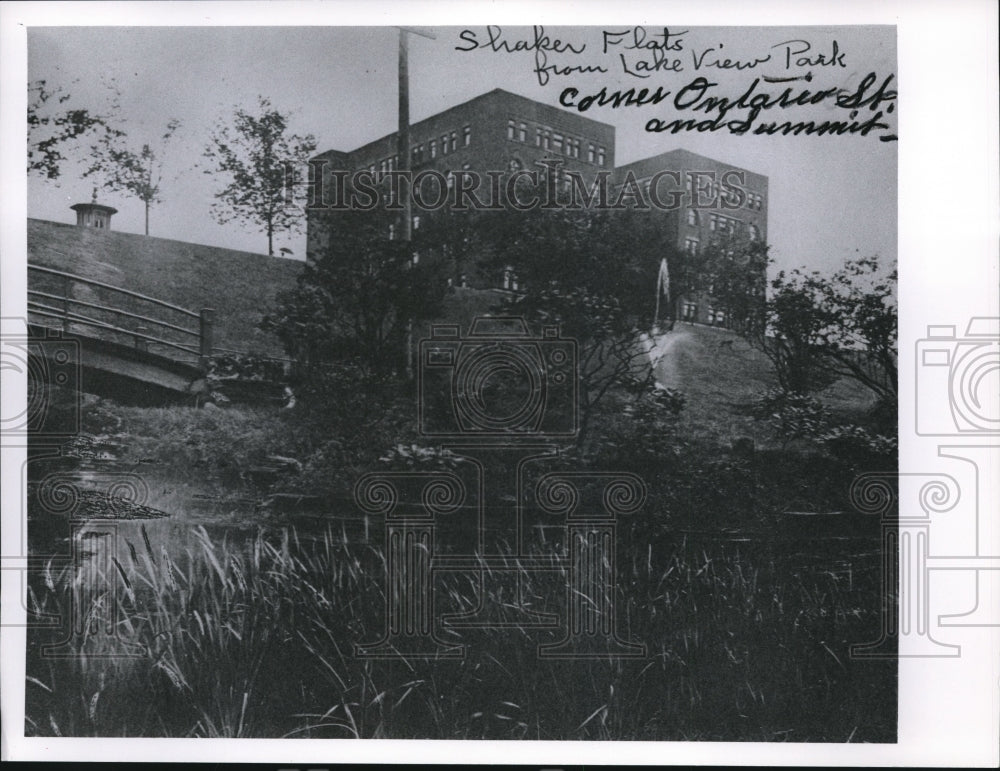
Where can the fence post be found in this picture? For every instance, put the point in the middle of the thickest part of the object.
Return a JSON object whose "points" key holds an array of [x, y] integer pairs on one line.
{"points": [[141, 343], [67, 291], [206, 335]]}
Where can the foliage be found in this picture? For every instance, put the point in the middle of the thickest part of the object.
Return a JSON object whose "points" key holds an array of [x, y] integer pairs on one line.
{"points": [[255, 154], [822, 328], [252, 635], [242, 366], [125, 168], [51, 127], [590, 273], [793, 416], [644, 433], [358, 299], [860, 446], [418, 457], [734, 272]]}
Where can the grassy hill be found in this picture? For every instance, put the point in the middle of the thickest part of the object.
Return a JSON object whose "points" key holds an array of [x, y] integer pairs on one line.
{"points": [[241, 286], [721, 375]]}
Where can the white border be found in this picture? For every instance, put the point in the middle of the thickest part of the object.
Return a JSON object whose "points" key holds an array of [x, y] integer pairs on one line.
{"points": [[948, 236]]}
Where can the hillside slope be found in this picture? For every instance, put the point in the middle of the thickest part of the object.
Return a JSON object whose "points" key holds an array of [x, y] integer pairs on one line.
{"points": [[241, 286], [721, 376]]}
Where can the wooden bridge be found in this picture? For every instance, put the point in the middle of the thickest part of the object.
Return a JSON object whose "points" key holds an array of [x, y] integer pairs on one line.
{"points": [[132, 347]]}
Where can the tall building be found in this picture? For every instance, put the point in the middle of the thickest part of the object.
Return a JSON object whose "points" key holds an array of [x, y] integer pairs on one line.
{"points": [[503, 132], [497, 130], [723, 203]]}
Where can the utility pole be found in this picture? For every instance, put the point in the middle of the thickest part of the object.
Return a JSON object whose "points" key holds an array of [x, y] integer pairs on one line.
{"points": [[403, 152], [403, 134]]}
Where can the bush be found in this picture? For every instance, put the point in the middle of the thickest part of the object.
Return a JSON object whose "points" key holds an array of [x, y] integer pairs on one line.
{"points": [[417, 458], [647, 433], [858, 446], [793, 416]]}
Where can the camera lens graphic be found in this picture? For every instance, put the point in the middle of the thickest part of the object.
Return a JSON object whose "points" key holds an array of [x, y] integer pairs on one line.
{"points": [[975, 385], [17, 357], [499, 387]]}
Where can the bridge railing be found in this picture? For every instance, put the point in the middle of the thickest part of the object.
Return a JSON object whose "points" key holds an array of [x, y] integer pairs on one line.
{"points": [[86, 306]]}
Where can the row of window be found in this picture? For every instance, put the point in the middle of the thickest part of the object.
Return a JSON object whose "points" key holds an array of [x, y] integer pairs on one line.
{"points": [[689, 312], [556, 141], [691, 244], [448, 143]]}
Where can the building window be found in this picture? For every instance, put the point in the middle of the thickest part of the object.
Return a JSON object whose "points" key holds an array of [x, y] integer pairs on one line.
{"points": [[689, 311], [434, 148], [444, 144], [523, 132], [454, 141], [691, 245], [466, 136], [692, 218], [557, 142], [600, 156], [713, 221], [591, 153], [416, 257], [416, 222], [754, 232], [511, 127], [546, 139], [538, 137], [392, 232]]}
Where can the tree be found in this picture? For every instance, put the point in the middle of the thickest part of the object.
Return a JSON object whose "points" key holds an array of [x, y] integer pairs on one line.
{"points": [[593, 275], [126, 170], [355, 301], [793, 335], [260, 159], [820, 328], [49, 129], [862, 344], [734, 272]]}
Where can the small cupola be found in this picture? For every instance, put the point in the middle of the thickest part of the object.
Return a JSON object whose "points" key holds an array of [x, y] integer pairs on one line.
{"points": [[93, 214]]}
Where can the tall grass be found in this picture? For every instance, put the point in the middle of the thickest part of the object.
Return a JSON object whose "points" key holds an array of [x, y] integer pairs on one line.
{"points": [[255, 637]]}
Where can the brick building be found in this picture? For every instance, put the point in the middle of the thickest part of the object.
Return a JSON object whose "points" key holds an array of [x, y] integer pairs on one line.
{"points": [[502, 131], [720, 214]]}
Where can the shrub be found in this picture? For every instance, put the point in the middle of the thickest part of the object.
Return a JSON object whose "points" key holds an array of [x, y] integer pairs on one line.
{"points": [[858, 446], [647, 432], [793, 416]]}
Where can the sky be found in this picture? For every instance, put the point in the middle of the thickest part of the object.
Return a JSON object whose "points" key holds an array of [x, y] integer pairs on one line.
{"points": [[831, 198]]}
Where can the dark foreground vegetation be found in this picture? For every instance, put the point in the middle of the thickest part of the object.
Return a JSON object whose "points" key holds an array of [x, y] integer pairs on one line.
{"points": [[241, 618]]}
